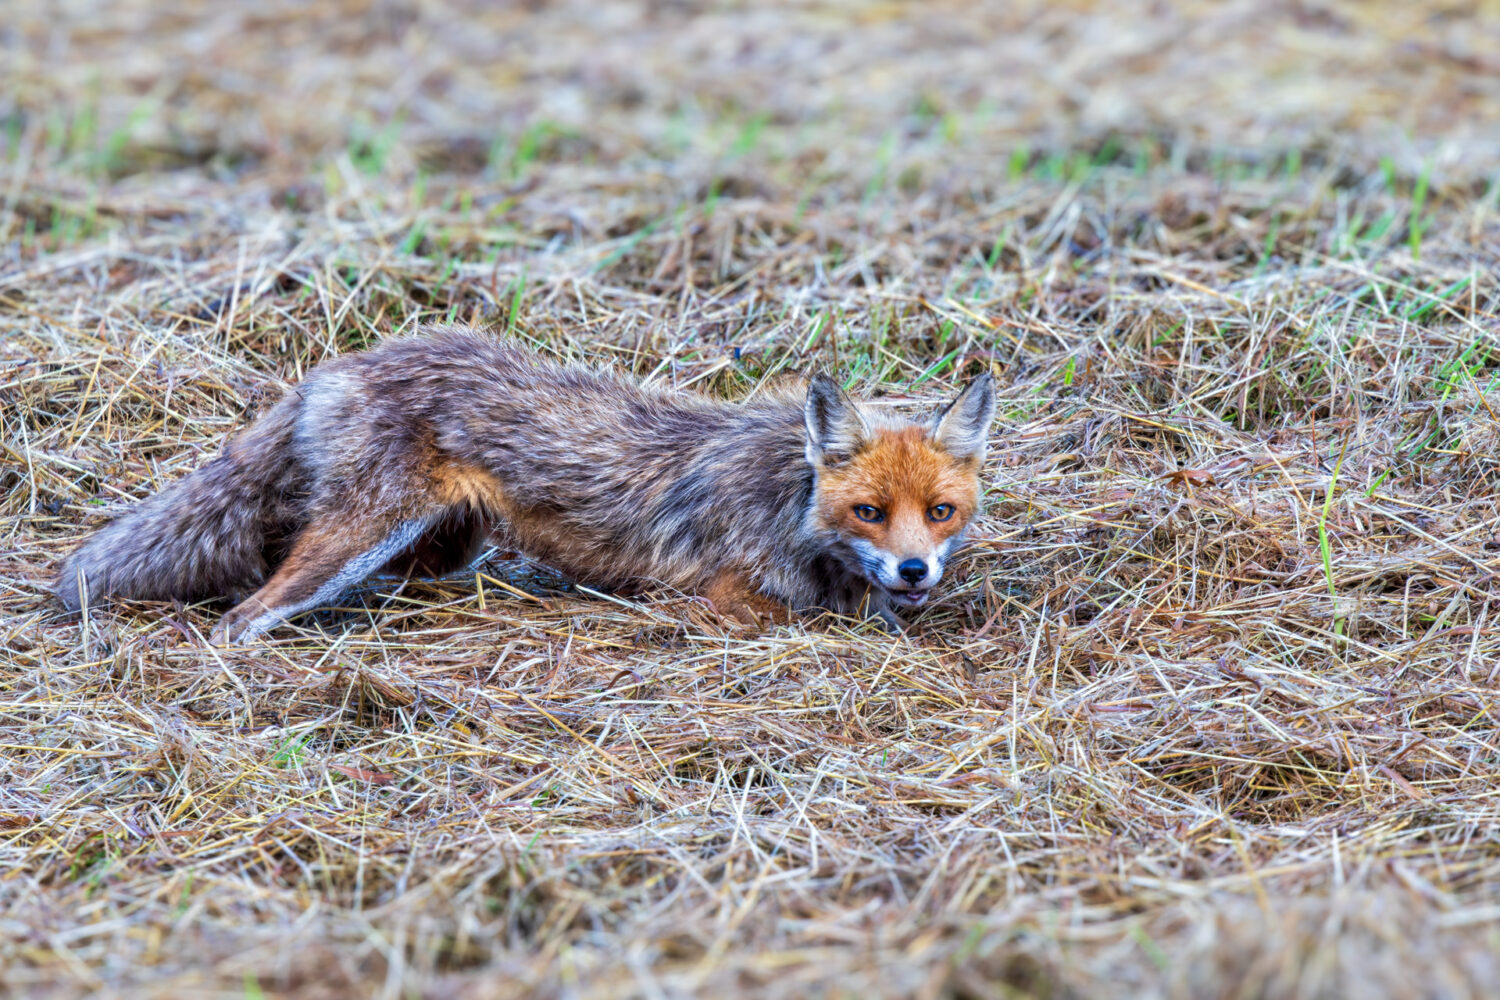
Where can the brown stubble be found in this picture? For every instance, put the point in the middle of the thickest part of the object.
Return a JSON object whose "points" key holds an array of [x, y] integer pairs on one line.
{"points": [[1146, 742]]}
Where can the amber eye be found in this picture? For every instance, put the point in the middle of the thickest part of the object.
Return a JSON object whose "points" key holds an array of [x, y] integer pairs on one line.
{"points": [[867, 513], [941, 512]]}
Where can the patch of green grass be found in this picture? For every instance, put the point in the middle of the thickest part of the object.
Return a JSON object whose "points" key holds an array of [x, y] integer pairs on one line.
{"points": [[1418, 222], [627, 245], [749, 136], [512, 156], [1324, 547], [369, 146], [292, 752]]}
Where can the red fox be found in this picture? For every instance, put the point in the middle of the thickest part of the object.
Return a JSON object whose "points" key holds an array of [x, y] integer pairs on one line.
{"points": [[407, 457]]}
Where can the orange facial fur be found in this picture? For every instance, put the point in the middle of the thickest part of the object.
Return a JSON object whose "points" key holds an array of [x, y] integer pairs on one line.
{"points": [[904, 474]]}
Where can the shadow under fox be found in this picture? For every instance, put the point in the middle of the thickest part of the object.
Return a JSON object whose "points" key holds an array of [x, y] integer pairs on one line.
{"points": [[407, 457]]}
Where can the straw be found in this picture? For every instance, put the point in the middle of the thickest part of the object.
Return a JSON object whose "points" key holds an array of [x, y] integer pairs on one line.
{"points": [[1208, 707]]}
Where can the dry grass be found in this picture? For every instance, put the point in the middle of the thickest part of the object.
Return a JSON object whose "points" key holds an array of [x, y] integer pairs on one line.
{"points": [[1209, 709]]}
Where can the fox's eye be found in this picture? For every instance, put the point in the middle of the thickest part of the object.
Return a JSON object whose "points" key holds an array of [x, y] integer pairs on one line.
{"points": [[867, 513], [941, 512]]}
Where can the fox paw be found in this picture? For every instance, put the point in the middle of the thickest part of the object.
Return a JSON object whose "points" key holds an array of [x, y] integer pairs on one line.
{"points": [[730, 615], [243, 623]]}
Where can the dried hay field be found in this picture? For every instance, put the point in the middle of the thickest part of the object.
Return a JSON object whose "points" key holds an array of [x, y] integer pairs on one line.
{"points": [[1209, 708]]}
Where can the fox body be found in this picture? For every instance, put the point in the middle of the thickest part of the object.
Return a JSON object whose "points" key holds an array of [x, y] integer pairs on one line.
{"points": [[407, 457]]}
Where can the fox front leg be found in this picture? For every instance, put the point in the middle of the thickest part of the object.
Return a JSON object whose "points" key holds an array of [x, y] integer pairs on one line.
{"points": [[732, 595], [878, 609]]}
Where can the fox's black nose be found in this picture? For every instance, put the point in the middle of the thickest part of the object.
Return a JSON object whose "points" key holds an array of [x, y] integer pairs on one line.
{"points": [[912, 570]]}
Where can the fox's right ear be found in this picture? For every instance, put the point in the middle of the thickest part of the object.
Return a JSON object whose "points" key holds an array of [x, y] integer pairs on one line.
{"points": [[835, 430]]}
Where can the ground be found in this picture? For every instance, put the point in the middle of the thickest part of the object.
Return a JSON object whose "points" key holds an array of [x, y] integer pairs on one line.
{"points": [[1207, 709]]}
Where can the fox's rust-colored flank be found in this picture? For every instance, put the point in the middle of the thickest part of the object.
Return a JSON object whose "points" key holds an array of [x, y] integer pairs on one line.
{"points": [[407, 457]]}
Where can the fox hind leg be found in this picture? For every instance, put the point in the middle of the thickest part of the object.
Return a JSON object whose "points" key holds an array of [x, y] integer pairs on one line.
{"points": [[450, 543], [327, 558]]}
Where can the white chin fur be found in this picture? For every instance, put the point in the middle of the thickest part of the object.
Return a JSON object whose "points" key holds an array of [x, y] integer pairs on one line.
{"points": [[883, 569]]}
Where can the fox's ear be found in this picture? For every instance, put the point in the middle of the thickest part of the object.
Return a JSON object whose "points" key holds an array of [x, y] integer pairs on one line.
{"points": [[963, 426], [835, 430]]}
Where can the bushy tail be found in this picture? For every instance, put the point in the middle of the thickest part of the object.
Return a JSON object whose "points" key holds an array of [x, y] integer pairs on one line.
{"points": [[207, 535]]}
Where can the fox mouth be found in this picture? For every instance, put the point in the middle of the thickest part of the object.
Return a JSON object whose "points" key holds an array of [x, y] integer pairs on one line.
{"points": [[909, 598]]}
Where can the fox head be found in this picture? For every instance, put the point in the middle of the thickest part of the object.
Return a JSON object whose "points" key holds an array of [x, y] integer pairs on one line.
{"points": [[893, 498]]}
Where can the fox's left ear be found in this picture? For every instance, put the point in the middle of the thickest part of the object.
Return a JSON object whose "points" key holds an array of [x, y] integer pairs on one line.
{"points": [[963, 426]]}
